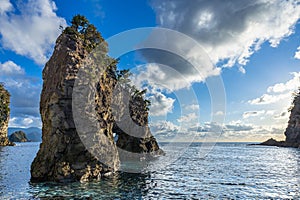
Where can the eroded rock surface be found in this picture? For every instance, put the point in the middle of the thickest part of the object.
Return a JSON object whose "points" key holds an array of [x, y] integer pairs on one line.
{"points": [[4, 116], [85, 151], [62, 155]]}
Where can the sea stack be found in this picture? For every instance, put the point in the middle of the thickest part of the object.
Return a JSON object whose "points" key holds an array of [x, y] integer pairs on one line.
{"points": [[4, 116], [64, 154], [292, 132]]}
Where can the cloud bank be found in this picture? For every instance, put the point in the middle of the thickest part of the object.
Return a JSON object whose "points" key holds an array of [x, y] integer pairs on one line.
{"points": [[25, 95]]}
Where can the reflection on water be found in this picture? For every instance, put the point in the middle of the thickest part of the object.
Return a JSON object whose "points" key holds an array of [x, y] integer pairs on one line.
{"points": [[231, 170]]}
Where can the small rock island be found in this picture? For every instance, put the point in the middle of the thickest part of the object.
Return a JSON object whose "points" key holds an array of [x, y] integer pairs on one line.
{"points": [[62, 155], [18, 136], [4, 116], [292, 132]]}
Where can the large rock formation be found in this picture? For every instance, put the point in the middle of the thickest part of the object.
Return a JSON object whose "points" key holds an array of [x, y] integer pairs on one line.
{"points": [[4, 116], [18, 136], [85, 151], [292, 132]]}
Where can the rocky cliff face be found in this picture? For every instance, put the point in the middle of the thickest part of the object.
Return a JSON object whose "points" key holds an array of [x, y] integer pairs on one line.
{"points": [[66, 154], [4, 116], [18, 136], [292, 132]]}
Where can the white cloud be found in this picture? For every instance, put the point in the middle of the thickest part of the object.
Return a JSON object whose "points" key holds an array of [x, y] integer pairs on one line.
{"points": [[288, 86], [10, 68], [5, 6], [160, 104], [219, 113], [164, 126], [25, 95], [188, 118], [297, 54], [26, 122], [278, 92], [230, 31], [173, 77], [32, 30], [192, 107]]}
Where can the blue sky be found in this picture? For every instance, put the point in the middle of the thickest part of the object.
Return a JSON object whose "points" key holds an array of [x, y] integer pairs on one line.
{"points": [[252, 46]]}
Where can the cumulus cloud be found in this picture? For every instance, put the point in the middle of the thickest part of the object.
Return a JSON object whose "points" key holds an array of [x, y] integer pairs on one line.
{"points": [[25, 122], [25, 95], [10, 68], [5, 6], [164, 126], [219, 113], [192, 107], [297, 54], [30, 28], [288, 86], [160, 104], [278, 92], [188, 118], [230, 31]]}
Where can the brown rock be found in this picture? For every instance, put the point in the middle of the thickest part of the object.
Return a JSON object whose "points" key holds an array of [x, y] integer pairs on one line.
{"points": [[77, 115], [62, 151], [4, 116]]}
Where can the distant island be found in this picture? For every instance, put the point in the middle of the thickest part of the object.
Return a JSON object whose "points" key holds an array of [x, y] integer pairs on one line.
{"points": [[33, 134], [18, 136]]}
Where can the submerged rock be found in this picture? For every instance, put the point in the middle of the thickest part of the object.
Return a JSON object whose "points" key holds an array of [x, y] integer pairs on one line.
{"points": [[292, 132], [85, 151], [18, 136], [4, 116]]}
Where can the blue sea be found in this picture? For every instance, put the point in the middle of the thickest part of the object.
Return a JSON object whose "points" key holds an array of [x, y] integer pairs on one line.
{"points": [[228, 171]]}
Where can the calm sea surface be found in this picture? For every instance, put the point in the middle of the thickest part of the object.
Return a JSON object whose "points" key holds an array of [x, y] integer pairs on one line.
{"points": [[229, 171]]}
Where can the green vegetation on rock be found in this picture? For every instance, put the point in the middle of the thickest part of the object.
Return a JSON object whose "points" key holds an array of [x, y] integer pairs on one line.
{"points": [[4, 104], [82, 28]]}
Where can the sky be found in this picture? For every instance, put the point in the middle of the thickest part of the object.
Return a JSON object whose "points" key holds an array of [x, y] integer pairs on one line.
{"points": [[235, 84]]}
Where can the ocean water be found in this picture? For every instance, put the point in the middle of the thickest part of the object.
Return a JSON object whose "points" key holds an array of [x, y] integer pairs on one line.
{"points": [[229, 171]]}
